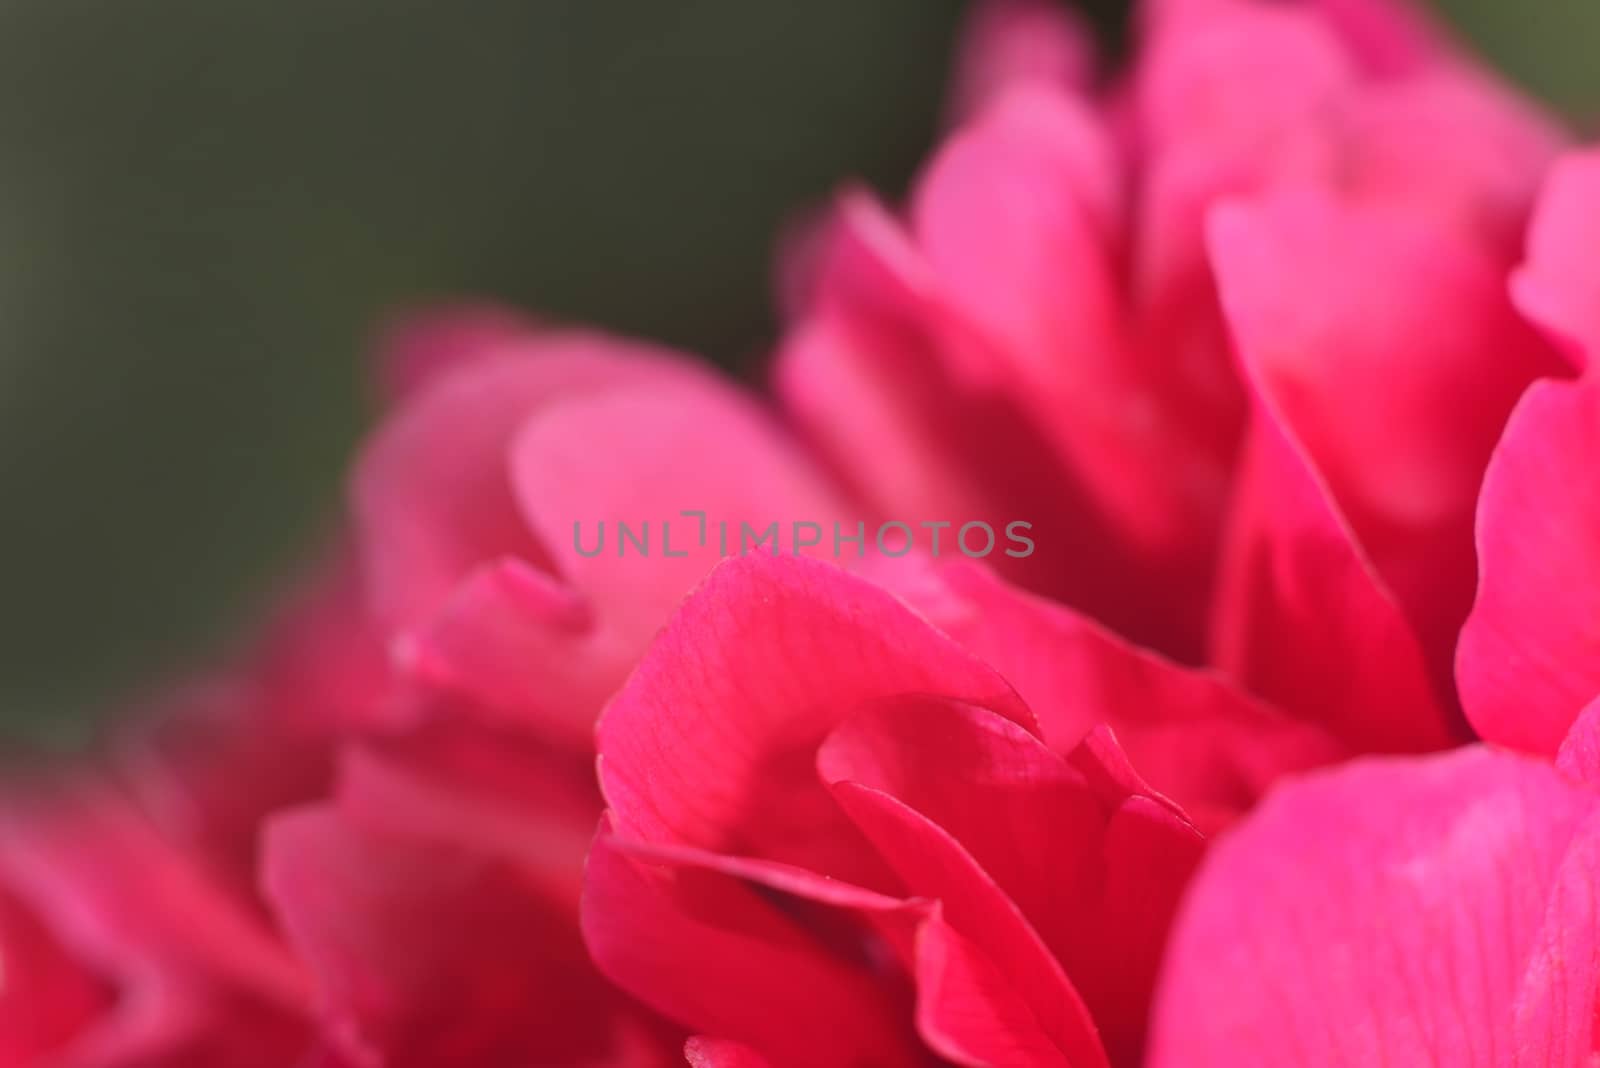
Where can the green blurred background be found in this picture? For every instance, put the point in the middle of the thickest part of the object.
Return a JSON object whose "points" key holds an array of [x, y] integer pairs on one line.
{"points": [[205, 206]]}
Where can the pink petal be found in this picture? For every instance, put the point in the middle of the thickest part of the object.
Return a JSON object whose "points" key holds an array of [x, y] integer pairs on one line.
{"points": [[1388, 37], [711, 742], [432, 496], [484, 502], [419, 348], [964, 804], [702, 1052], [1529, 658], [1197, 738], [190, 973], [1435, 911], [686, 935], [1559, 286], [129, 902], [639, 921], [492, 790], [427, 954], [48, 997], [969, 1012], [1353, 359], [1007, 43], [1579, 756], [1302, 619]]}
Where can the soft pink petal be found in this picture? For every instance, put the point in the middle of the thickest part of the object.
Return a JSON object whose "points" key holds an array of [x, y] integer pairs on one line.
{"points": [[1579, 756], [1191, 733], [49, 997], [1356, 362], [432, 496], [1529, 658], [129, 902], [702, 1052], [963, 804], [491, 510], [428, 954], [1437, 911], [1007, 43], [687, 936], [1559, 285], [968, 1007], [712, 741], [1303, 620], [969, 1012], [418, 348]]}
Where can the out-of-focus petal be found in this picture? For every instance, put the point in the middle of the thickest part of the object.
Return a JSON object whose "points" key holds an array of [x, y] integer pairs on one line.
{"points": [[418, 348], [491, 510], [429, 954], [1009, 43], [1529, 658], [1418, 911], [703, 1052], [1559, 285]]}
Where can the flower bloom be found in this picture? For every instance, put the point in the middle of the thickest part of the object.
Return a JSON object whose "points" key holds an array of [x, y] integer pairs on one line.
{"points": [[1278, 746]]}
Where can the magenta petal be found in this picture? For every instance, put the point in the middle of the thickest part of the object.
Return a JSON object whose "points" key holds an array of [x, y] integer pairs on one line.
{"points": [[682, 931], [1302, 619], [712, 741], [1559, 286], [432, 495], [427, 954], [963, 804], [969, 1012], [1007, 43], [1579, 756], [1353, 360], [1401, 912], [703, 1052], [1529, 658], [418, 348], [1194, 735]]}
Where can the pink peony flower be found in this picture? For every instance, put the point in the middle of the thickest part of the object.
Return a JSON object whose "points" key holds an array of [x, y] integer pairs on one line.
{"points": [[1256, 384]]}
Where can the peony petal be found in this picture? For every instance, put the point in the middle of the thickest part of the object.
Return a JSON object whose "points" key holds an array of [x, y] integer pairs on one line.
{"points": [[711, 743], [1197, 738], [491, 790], [967, 1008], [126, 900], [1436, 911], [1529, 659], [1007, 43], [47, 996], [1579, 756], [418, 348], [1388, 37], [1354, 360], [515, 557], [969, 1012], [1302, 620], [685, 934], [432, 494], [428, 954], [1559, 286], [703, 1052], [1019, 216], [963, 804]]}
